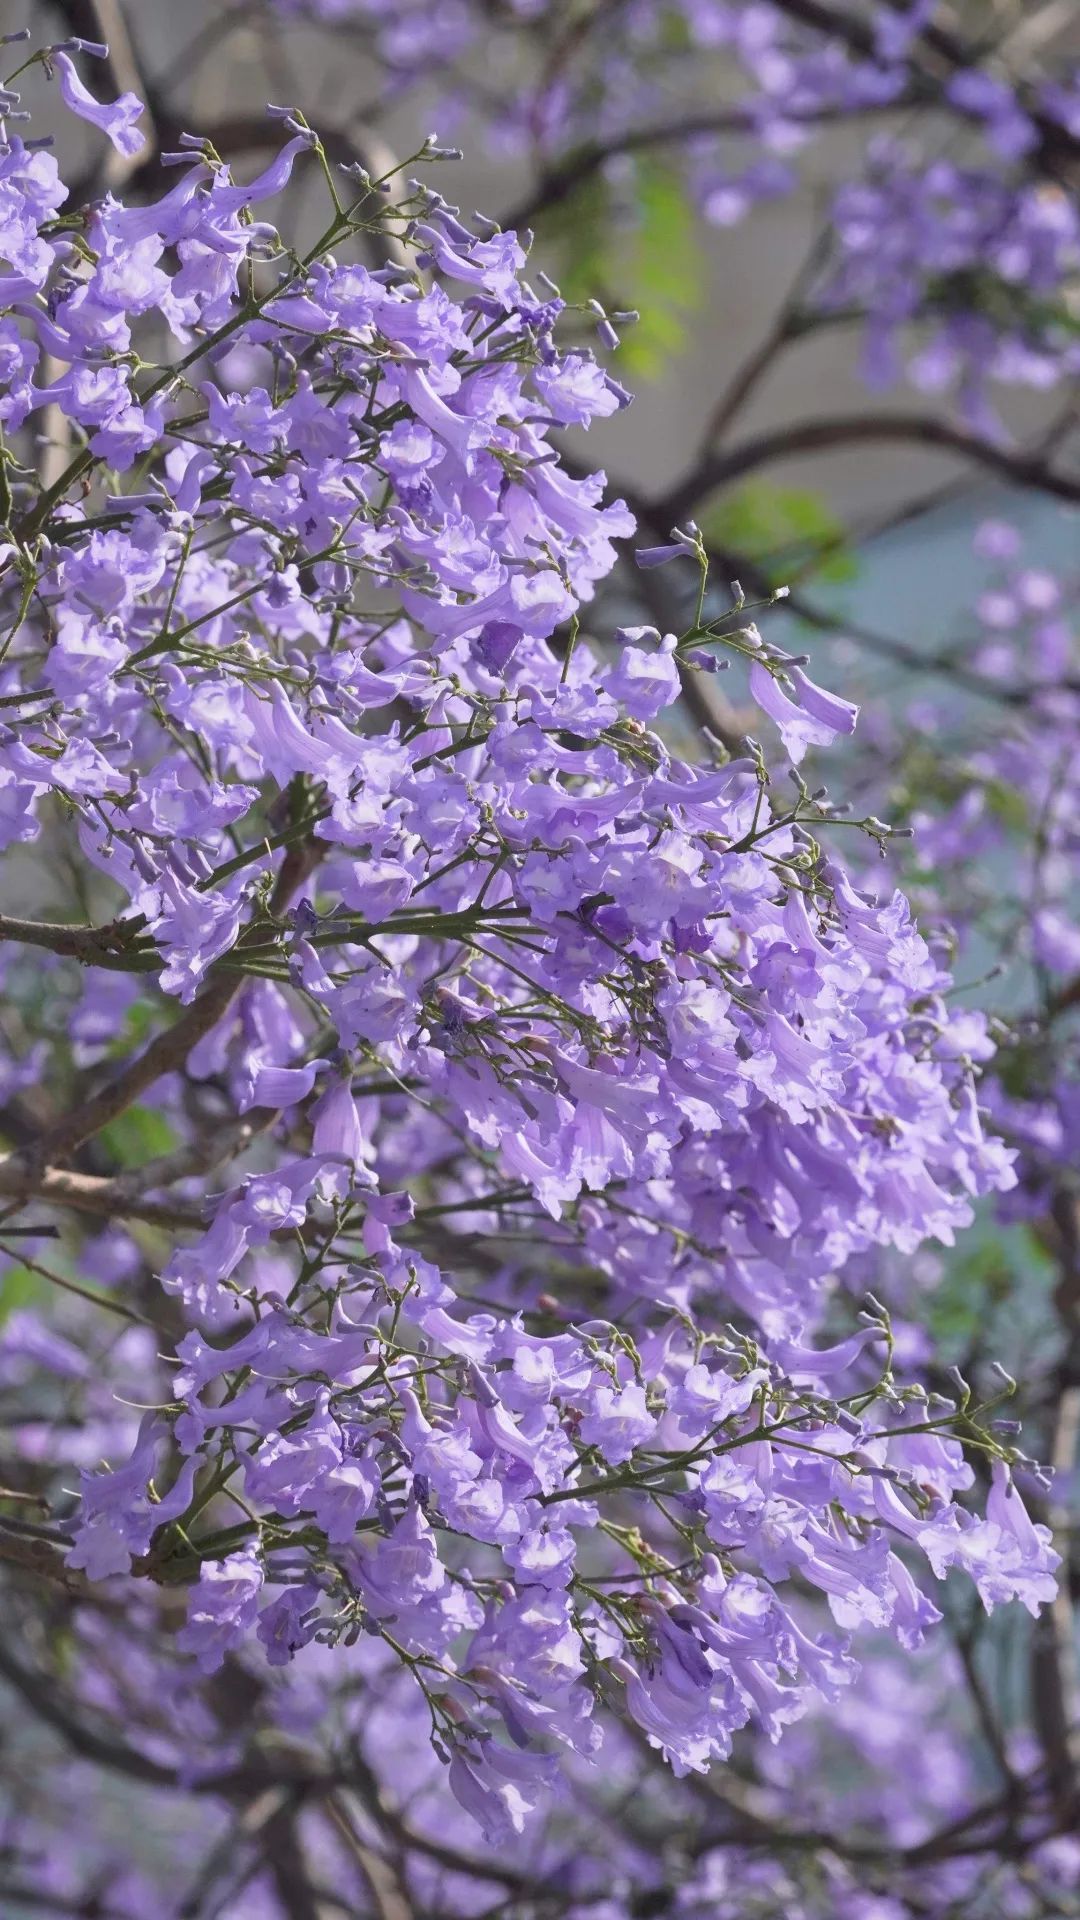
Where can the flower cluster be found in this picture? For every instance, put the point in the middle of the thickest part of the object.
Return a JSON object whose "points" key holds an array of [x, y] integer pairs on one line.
{"points": [[974, 235], [543, 1054]]}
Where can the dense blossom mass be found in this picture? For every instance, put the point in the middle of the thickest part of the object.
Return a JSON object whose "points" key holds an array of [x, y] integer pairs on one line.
{"points": [[972, 232], [494, 1392]]}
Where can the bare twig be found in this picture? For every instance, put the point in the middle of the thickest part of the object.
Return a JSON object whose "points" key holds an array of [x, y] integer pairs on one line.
{"points": [[89, 1294], [718, 470]]}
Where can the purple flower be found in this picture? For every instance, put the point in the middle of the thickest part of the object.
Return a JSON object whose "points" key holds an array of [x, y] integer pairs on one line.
{"points": [[814, 722], [223, 1608], [289, 1622], [539, 1102], [618, 1422], [642, 681], [117, 121], [121, 1509], [281, 1086]]}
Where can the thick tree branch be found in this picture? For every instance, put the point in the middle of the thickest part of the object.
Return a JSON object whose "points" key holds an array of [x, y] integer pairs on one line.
{"points": [[718, 470], [15, 1894], [88, 1193], [42, 1559], [281, 1765], [284, 1853], [1055, 1679], [386, 1888], [124, 1196], [165, 1054], [109, 946]]}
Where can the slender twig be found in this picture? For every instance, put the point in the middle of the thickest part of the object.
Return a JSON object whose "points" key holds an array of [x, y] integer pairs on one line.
{"points": [[67, 1285], [560, 182]]}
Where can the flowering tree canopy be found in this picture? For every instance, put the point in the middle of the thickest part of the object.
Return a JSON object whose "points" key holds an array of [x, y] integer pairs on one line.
{"points": [[455, 1108]]}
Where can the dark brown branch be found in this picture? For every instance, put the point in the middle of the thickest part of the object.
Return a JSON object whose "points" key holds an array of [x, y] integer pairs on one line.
{"points": [[936, 55], [37, 1900], [1068, 997], [36, 1690], [165, 1054], [284, 1853], [1055, 1681], [168, 1051], [559, 183], [221, 1862], [124, 1196], [387, 1892], [825, 435], [984, 1713], [282, 1766]]}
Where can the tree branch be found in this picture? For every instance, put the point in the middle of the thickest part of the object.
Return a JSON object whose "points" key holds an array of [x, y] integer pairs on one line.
{"points": [[89, 1193], [947, 55], [123, 1196], [165, 1054], [560, 182], [824, 435], [93, 946], [42, 1559], [386, 1889]]}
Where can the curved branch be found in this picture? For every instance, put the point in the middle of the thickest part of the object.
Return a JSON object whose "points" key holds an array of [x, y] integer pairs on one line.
{"points": [[832, 432], [41, 1558], [926, 86], [285, 1766], [658, 516], [165, 1054], [945, 54], [559, 182], [94, 946], [90, 1193]]}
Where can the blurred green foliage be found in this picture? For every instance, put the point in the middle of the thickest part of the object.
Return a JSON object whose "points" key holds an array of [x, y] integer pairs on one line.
{"points": [[18, 1288], [992, 1295], [651, 260], [135, 1136], [785, 530]]}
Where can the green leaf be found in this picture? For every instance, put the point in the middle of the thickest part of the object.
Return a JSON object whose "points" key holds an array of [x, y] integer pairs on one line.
{"points": [[665, 272], [783, 529], [998, 1271], [18, 1288], [651, 261], [137, 1135]]}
